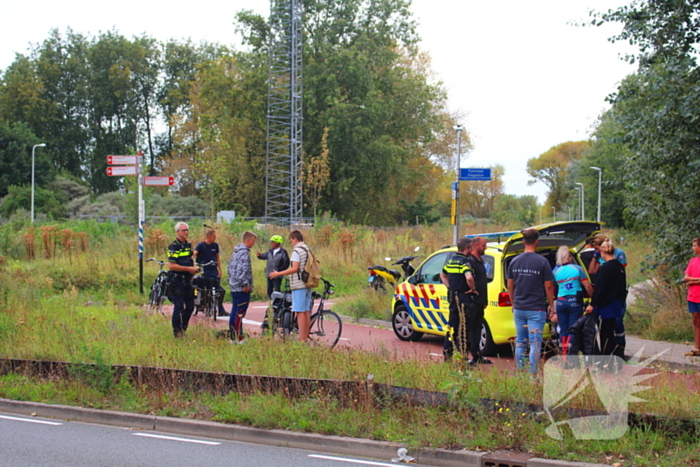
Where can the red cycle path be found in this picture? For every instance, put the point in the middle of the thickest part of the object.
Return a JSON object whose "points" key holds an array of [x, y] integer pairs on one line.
{"points": [[357, 336]]}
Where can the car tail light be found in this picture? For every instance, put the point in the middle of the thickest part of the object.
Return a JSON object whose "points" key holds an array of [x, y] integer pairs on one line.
{"points": [[504, 299]]}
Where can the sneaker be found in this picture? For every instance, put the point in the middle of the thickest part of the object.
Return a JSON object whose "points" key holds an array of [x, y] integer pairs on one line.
{"points": [[242, 341], [224, 313], [484, 361], [471, 363], [231, 341]]}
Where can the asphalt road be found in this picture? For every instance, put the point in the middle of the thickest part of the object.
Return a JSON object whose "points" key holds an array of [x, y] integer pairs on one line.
{"points": [[29, 441]]}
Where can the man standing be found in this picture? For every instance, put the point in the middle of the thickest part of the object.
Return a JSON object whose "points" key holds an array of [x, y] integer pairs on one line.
{"points": [[593, 267], [475, 319], [301, 294], [240, 278], [277, 260], [180, 292], [531, 287], [206, 252], [459, 280]]}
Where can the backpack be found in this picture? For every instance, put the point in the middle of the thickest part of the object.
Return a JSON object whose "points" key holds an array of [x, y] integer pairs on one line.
{"points": [[311, 275]]}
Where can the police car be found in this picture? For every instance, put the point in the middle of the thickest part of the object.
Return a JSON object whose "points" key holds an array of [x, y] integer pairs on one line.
{"points": [[420, 304]]}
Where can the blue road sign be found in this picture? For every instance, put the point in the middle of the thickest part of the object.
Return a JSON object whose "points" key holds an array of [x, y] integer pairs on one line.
{"points": [[475, 174]]}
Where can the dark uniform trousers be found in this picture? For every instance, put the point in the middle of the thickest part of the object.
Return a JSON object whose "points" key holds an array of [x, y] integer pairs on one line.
{"points": [[181, 294], [470, 329]]}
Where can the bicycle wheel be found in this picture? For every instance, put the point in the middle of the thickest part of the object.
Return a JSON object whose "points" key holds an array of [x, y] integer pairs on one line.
{"points": [[213, 304], [287, 323], [326, 328], [155, 299]]}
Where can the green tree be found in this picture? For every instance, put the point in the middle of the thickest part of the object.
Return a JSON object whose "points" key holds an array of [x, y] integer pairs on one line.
{"points": [[365, 81], [16, 142], [657, 110], [552, 168]]}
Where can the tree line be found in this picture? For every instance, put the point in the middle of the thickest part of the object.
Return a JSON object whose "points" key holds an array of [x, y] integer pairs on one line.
{"points": [[648, 142], [378, 138]]}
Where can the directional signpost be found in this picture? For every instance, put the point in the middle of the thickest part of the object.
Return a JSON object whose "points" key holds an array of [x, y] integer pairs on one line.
{"points": [[478, 175], [158, 181], [473, 175], [122, 160], [131, 165], [119, 170]]}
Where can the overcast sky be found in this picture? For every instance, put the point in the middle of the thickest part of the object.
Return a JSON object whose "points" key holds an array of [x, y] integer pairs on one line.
{"points": [[523, 76]]}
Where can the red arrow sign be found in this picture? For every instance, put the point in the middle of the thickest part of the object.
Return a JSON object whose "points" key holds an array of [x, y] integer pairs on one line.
{"points": [[118, 171], [122, 160], [158, 181]]}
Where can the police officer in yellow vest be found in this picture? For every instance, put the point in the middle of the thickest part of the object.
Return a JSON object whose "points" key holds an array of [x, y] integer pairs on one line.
{"points": [[457, 275], [182, 269]]}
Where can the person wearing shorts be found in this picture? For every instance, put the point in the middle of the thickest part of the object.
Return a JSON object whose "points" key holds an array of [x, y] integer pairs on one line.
{"points": [[301, 294], [692, 278]]}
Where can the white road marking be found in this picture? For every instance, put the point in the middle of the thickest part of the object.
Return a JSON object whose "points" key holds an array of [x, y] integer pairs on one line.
{"points": [[353, 461], [250, 321], [42, 422], [436, 354], [172, 438], [343, 339], [259, 306]]}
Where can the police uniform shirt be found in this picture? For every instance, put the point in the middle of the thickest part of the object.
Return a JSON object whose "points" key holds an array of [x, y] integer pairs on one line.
{"points": [[455, 268], [181, 253]]}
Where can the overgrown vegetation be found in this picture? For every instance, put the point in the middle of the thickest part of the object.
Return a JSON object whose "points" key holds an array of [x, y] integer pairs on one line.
{"points": [[72, 296]]}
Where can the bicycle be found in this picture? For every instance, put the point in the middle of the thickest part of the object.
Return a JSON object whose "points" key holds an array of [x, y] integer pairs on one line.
{"points": [[207, 299], [326, 326], [159, 289]]}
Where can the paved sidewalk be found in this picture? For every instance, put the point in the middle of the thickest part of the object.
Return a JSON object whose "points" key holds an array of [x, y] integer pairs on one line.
{"points": [[666, 353]]}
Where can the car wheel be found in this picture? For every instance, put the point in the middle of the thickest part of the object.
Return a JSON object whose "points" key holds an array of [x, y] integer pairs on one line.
{"points": [[486, 344], [403, 328]]}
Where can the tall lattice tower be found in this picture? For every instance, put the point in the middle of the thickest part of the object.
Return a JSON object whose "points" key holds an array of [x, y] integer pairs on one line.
{"points": [[283, 187]]}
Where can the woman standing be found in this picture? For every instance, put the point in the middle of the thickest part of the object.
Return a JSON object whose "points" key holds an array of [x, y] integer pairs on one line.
{"points": [[571, 280], [609, 298]]}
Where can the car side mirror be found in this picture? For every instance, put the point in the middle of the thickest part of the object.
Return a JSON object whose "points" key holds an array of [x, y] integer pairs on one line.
{"points": [[413, 280]]}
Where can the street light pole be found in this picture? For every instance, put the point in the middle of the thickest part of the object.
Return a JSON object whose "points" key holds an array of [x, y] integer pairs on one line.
{"points": [[458, 129], [600, 183], [33, 148], [583, 209], [578, 202]]}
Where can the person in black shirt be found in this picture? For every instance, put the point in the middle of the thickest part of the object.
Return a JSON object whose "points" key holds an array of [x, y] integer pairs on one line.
{"points": [[475, 317], [180, 292], [609, 296], [277, 260], [206, 252], [459, 280]]}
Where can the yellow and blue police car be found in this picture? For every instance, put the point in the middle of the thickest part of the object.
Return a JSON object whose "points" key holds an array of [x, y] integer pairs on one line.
{"points": [[420, 304]]}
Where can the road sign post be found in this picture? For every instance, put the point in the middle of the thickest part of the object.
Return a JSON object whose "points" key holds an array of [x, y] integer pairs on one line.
{"points": [[158, 181], [120, 170], [131, 165], [475, 175]]}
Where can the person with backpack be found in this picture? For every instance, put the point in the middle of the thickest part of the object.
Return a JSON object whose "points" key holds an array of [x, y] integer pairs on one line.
{"points": [[301, 289]]}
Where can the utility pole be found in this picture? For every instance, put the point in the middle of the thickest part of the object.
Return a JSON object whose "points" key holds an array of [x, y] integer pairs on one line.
{"points": [[455, 190]]}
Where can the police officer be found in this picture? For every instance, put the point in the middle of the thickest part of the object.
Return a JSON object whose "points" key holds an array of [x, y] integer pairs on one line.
{"points": [[457, 275], [181, 264]]}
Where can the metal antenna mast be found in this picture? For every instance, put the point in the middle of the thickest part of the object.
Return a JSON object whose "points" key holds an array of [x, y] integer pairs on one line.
{"points": [[283, 190]]}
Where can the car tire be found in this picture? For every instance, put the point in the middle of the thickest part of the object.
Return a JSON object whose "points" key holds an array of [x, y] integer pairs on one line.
{"points": [[486, 345], [403, 328]]}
